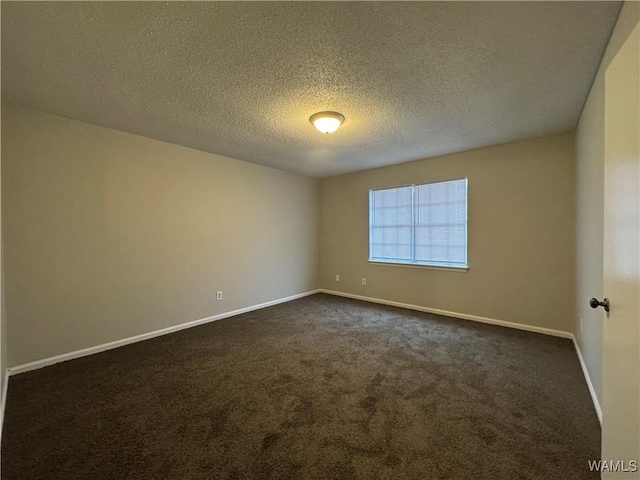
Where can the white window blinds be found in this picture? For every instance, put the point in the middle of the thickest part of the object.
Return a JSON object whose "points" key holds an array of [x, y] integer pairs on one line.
{"points": [[420, 224]]}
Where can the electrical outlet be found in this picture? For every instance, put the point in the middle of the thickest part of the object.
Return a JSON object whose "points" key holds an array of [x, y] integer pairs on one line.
{"points": [[364, 281], [218, 295], [337, 278]]}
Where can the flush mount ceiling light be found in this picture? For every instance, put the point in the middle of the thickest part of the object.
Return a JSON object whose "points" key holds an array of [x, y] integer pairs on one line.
{"points": [[327, 122]]}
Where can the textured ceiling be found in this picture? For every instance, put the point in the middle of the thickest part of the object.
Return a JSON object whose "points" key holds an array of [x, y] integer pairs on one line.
{"points": [[413, 80]]}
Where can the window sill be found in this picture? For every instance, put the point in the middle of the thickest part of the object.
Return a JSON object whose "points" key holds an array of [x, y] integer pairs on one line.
{"points": [[412, 265]]}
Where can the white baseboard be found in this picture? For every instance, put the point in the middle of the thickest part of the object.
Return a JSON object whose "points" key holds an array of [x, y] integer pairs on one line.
{"points": [[146, 336], [5, 385], [464, 316], [492, 321], [592, 390]]}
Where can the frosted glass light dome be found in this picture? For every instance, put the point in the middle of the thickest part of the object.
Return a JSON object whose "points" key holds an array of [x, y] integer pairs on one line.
{"points": [[327, 122]]}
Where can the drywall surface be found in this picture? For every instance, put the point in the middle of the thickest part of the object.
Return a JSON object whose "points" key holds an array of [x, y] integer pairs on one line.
{"points": [[108, 235], [590, 206], [3, 332], [521, 235]]}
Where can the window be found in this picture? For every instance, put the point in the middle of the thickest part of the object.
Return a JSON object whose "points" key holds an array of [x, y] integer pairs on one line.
{"points": [[420, 224]]}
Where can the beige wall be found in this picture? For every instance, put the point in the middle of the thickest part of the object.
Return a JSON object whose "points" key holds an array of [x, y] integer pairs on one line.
{"points": [[3, 330], [109, 235], [590, 205], [521, 235]]}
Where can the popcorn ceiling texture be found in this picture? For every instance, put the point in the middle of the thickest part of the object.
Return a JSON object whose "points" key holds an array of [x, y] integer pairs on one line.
{"points": [[414, 80]]}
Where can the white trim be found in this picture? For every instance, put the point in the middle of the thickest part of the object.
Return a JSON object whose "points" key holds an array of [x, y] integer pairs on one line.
{"points": [[138, 338], [519, 326], [5, 385], [417, 265], [145, 336], [592, 390], [464, 316]]}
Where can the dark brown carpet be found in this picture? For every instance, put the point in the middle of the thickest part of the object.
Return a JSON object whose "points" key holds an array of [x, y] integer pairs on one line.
{"points": [[318, 388]]}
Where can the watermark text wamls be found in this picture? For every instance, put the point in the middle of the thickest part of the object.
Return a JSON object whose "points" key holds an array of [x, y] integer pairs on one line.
{"points": [[621, 466]]}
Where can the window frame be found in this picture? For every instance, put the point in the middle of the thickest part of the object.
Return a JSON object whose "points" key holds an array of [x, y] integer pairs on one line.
{"points": [[414, 264]]}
